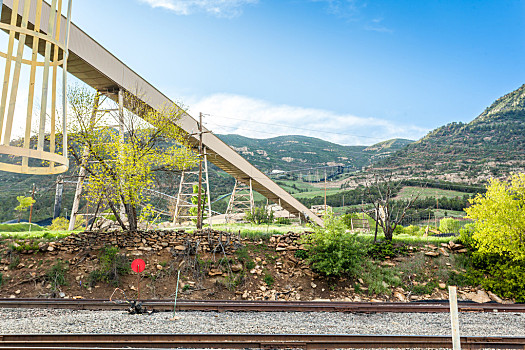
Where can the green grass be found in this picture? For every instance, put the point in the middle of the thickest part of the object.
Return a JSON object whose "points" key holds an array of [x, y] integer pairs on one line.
{"points": [[51, 235], [21, 227], [316, 193], [403, 238], [256, 232], [408, 191]]}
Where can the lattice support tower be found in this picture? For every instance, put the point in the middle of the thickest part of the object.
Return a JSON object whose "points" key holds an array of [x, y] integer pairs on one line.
{"points": [[241, 199], [184, 203]]}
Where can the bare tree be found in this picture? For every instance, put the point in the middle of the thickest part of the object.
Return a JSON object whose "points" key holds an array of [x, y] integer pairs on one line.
{"points": [[380, 192]]}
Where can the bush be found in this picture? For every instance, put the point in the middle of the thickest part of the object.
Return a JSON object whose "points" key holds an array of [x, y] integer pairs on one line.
{"points": [[112, 266], [499, 274], [282, 221], [59, 224], [413, 230], [259, 216], [333, 251], [498, 216], [449, 225], [466, 235], [269, 280], [380, 250], [1, 279], [56, 275]]}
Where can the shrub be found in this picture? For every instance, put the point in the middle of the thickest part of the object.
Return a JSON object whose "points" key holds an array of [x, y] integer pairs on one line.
{"points": [[301, 254], [449, 225], [499, 274], [56, 275], [1, 279], [333, 251], [283, 221], [259, 216], [380, 250], [269, 280], [112, 266], [59, 224], [498, 216]]}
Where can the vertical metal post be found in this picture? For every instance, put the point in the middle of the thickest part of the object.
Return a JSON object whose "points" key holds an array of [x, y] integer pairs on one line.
{"points": [[454, 319], [31, 208], [208, 195], [82, 170], [58, 197], [199, 198]]}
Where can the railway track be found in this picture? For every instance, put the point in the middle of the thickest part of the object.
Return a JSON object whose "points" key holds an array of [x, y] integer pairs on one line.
{"points": [[245, 341], [263, 306]]}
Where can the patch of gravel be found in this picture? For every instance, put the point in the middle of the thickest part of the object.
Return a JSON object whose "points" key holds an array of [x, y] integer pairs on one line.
{"points": [[34, 321]]}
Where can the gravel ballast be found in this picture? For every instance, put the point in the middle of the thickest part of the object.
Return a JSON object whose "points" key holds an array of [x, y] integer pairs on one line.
{"points": [[35, 321]]}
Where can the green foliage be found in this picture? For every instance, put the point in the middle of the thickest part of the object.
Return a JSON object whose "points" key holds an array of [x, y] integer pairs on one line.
{"points": [[465, 235], [269, 280], [499, 217], [259, 216], [23, 204], [56, 275], [20, 227], [499, 274], [1, 280], [301, 254], [282, 221], [379, 279], [333, 251], [59, 224], [112, 264], [382, 249], [195, 201], [121, 167], [449, 225]]}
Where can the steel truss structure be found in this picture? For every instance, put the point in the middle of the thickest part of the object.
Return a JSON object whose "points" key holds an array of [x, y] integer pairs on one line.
{"points": [[98, 68]]}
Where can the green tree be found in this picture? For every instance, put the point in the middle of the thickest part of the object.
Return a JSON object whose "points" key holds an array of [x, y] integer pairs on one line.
{"points": [[23, 204], [194, 211], [499, 216], [121, 164]]}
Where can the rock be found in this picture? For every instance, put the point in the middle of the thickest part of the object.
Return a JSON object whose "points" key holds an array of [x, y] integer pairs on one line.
{"points": [[313, 285], [433, 254], [385, 284], [18, 291], [280, 249], [237, 267], [263, 288], [62, 294], [461, 251], [245, 294], [360, 281], [399, 296], [444, 252], [180, 247], [442, 285], [494, 297], [50, 249], [214, 272], [12, 296], [159, 267], [479, 297]]}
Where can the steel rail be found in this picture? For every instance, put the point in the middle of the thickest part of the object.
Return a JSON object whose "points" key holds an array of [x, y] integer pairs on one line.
{"points": [[263, 306], [243, 341]]}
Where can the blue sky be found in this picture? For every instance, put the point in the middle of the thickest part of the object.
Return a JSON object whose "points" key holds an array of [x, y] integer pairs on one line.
{"points": [[348, 71]]}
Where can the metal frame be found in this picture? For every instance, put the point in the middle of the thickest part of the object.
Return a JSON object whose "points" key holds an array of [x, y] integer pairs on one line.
{"points": [[55, 53]]}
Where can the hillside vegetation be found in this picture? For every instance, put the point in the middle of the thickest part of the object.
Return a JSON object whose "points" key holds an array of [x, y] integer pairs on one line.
{"points": [[493, 144]]}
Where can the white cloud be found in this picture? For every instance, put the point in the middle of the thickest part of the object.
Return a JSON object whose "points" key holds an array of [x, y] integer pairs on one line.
{"points": [[234, 114], [218, 8]]}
